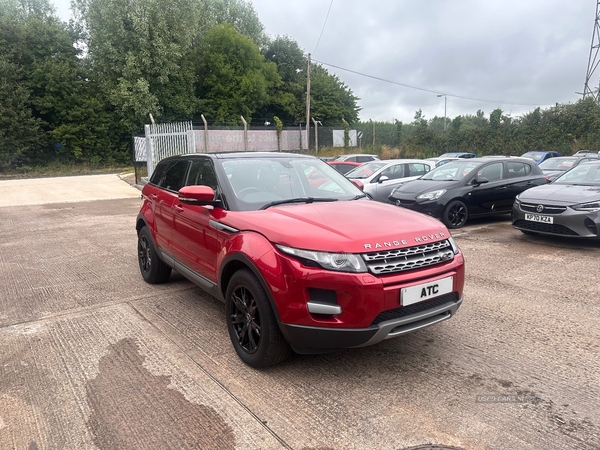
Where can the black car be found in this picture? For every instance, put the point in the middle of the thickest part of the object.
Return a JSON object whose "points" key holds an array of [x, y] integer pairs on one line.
{"points": [[469, 188]]}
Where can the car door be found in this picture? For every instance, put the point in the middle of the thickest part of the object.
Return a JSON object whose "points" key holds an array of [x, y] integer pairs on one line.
{"points": [[519, 178], [164, 197], [490, 197], [390, 177], [196, 243]]}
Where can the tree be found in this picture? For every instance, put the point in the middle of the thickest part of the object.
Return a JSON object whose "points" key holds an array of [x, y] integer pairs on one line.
{"points": [[234, 78], [330, 99], [140, 52]]}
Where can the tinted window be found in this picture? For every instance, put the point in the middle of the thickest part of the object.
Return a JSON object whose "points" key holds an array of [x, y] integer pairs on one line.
{"points": [[202, 173], [174, 178], [517, 169], [159, 173], [492, 172]]}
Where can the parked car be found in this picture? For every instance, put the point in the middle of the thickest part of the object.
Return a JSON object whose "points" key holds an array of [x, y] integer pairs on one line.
{"points": [[555, 167], [361, 158], [570, 206], [295, 264], [344, 167], [381, 177], [469, 188], [540, 156], [441, 161], [459, 155], [591, 153]]}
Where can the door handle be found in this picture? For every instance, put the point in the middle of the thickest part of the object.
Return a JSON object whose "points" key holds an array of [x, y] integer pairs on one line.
{"points": [[153, 196], [178, 208]]}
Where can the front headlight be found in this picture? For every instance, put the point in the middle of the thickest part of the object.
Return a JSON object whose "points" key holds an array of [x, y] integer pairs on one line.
{"points": [[339, 262], [588, 207], [433, 195], [517, 201]]}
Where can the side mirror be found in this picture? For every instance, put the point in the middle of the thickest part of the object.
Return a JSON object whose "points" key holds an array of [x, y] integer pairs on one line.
{"points": [[479, 181], [383, 178], [198, 195]]}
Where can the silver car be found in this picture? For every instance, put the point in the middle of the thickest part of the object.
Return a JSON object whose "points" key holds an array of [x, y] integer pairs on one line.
{"points": [[570, 206], [380, 178]]}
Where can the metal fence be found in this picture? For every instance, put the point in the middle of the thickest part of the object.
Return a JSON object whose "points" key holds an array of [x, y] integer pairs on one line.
{"points": [[169, 139]]}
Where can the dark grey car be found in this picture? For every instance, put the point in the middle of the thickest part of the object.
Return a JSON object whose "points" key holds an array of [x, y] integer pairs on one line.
{"points": [[570, 206], [555, 167]]}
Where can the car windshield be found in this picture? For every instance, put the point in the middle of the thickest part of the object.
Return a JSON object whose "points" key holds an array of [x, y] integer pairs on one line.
{"points": [[536, 156], [558, 163], [262, 182], [366, 170], [452, 171], [583, 174]]}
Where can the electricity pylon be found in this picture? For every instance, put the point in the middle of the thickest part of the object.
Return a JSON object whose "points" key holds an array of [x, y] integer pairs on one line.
{"points": [[593, 60]]}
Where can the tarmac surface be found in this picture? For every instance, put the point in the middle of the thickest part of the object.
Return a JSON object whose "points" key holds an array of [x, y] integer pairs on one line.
{"points": [[92, 357]]}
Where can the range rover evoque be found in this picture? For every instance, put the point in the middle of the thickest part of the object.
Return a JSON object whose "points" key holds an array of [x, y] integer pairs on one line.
{"points": [[301, 258]]}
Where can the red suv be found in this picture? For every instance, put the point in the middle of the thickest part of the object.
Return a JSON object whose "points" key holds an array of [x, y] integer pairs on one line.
{"points": [[303, 266]]}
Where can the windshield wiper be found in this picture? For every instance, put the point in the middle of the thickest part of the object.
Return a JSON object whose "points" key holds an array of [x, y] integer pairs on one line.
{"points": [[298, 200], [359, 197]]}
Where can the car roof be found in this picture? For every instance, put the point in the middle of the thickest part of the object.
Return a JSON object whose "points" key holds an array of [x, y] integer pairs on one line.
{"points": [[241, 155]]}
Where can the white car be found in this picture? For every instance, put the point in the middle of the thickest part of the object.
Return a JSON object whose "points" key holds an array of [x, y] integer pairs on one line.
{"points": [[361, 158], [381, 177]]}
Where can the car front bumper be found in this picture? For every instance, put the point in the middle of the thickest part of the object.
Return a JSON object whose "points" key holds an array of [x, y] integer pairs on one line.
{"points": [[570, 223], [309, 340]]}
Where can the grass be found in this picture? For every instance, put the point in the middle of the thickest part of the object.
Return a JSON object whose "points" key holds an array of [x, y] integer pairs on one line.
{"points": [[61, 170]]}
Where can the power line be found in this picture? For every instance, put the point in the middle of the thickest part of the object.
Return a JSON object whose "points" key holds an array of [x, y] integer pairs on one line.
{"points": [[325, 23], [428, 90]]}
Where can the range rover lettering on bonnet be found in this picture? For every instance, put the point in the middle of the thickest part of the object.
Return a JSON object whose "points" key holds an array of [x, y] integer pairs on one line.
{"points": [[392, 244]]}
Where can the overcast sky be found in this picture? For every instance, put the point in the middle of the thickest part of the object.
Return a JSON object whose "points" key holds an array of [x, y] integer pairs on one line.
{"points": [[514, 55]]}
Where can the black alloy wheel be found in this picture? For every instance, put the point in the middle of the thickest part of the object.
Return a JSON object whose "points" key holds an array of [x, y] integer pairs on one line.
{"points": [[455, 214], [153, 270], [252, 326]]}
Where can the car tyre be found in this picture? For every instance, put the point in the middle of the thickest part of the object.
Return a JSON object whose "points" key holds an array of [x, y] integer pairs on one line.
{"points": [[153, 269], [455, 214], [251, 322]]}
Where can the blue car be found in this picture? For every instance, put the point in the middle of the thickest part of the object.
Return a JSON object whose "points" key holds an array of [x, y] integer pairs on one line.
{"points": [[539, 156]]}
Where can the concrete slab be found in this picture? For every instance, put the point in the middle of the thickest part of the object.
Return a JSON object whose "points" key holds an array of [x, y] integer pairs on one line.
{"points": [[41, 191], [93, 357]]}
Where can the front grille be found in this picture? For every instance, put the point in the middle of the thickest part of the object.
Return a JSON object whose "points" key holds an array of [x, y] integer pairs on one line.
{"points": [[548, 209], [403, 311], [544, 228], [401, 260]]}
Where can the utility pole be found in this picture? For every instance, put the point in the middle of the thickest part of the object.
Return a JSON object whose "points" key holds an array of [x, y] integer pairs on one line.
{"points": [[308, 104], [445, 98], [593, 60]]}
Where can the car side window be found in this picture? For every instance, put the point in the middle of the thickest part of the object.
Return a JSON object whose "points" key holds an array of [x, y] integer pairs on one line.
{"points": [[159, 173], [363, 159], [492, 172], [417, 169], [174, 177], [202, 173], [393, 172], [517, 169]]}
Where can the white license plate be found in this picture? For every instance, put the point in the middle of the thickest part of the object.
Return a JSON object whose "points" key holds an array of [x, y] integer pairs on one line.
{"points": [[538, 218], [425, 291]]}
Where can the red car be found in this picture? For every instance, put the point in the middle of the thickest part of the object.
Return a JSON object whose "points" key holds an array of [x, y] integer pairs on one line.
{"points": [[295, 263], [344, 167]]}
